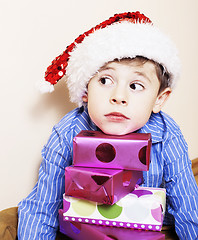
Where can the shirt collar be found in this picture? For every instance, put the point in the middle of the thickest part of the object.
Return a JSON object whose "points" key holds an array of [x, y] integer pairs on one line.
{"points": [[155, 126], [92, 125]]}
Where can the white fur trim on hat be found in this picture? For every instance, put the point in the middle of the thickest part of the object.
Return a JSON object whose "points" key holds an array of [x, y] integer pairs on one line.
{"points": [[119, 40], [45, 87]]}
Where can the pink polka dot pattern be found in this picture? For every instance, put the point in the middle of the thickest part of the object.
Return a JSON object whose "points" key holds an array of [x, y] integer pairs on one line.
{"points": [[142, 155], [155, 214], [66, 205], [141, 193], [105, 152]]}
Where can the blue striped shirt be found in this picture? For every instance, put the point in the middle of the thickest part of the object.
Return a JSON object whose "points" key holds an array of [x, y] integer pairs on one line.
{"points": [[170, 168]]}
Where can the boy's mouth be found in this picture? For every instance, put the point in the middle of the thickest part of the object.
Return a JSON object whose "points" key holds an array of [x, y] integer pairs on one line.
{"points": [[116, 116]]}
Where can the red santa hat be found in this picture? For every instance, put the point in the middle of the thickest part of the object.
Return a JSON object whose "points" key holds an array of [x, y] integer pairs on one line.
{"points": [[125, 35]]}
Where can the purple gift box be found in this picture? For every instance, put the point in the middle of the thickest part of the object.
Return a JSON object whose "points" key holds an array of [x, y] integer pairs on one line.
{"points": [[143, 208], [105, 186], [83, 231], [96, 149]]}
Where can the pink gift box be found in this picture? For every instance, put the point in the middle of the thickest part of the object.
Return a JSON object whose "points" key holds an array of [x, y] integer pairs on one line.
{"points": [[83, 231], [105, 186], [96, 149], [143, 208]]}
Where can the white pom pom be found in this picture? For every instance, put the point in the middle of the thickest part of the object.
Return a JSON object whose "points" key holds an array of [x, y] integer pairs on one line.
{"points": [[45, 87]]}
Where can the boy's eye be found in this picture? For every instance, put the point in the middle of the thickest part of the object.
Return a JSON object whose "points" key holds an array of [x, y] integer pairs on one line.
{"points": [[106, 80], [136, 86]]}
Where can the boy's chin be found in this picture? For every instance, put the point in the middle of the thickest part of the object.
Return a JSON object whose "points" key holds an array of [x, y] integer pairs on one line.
{"points": [[117, 131]]}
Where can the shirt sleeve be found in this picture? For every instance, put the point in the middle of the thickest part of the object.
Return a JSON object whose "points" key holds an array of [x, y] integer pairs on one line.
{"points": [[181, 187], [38, 213]]}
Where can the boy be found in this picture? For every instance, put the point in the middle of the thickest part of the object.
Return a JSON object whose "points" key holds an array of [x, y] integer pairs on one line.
{"points": [[120, 73]]}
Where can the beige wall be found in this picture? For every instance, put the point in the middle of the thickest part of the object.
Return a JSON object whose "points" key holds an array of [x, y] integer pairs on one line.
{"points": [[32, 34]]}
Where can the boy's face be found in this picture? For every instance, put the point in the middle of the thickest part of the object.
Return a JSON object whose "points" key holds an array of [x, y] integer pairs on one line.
{"points": [[122, 96]]}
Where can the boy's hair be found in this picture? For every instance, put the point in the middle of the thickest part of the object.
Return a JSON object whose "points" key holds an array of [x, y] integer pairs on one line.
{"points": [[125, 35], [163, 77]]}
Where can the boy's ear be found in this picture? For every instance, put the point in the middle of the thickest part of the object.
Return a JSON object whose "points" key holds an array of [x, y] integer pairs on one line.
{"points": [[85, 98], [161, 99]]}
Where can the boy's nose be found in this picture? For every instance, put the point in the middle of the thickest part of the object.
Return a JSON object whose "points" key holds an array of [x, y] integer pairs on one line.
{"points": [[118, 98], [116, 101]]}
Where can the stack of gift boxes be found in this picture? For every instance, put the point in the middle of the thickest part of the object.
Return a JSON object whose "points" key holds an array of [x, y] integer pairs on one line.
{"points": [[103, 199]]}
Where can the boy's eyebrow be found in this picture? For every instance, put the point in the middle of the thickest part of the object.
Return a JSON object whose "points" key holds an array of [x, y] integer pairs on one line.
{"points": [[143, 75], [105, 68]]}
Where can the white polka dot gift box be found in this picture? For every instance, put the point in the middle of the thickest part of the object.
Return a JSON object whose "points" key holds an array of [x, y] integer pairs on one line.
{"points": [[83, 231], [99, 150], [143, 208]]}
